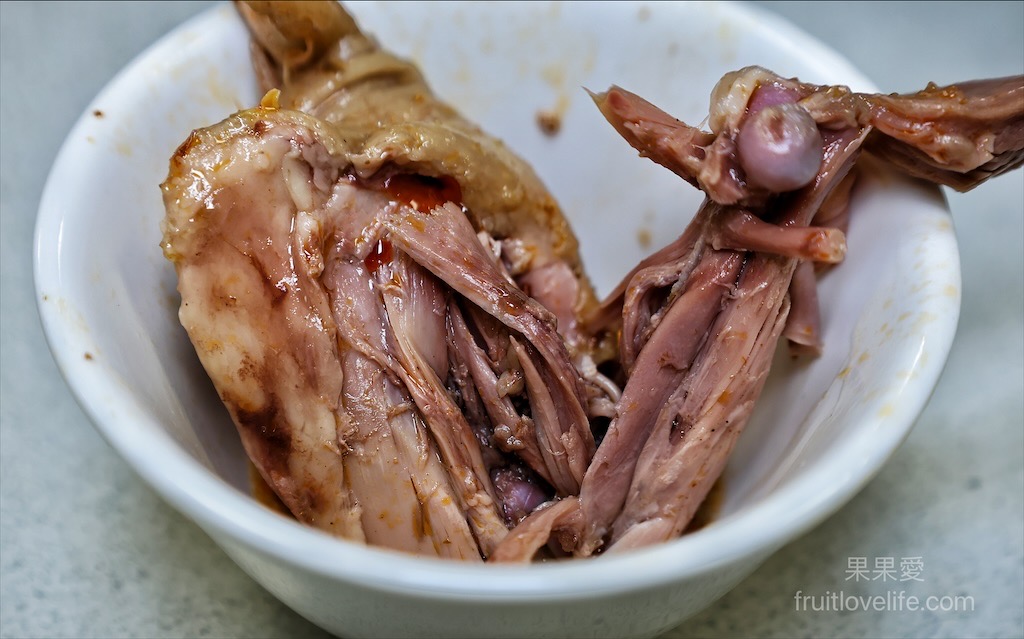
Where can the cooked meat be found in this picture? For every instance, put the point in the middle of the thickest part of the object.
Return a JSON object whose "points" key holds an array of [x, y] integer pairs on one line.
{"points": [[700, 319], [390, 121], [958, 135], [351, 257], [392, 307]]}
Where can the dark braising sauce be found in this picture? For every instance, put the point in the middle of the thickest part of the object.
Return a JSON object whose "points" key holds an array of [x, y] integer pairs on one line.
{"points": [[381, 254], [264, 494], [708, 510], [421, 192]]}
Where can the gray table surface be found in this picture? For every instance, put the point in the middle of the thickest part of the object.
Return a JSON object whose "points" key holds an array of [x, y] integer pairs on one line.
{"points": [[87, 549]]}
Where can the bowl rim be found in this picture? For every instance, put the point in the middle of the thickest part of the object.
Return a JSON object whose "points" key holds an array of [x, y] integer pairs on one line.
{"points": [[223, 511]]}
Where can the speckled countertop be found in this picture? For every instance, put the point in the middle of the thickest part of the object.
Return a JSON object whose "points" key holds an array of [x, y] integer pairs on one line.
{"points": [[87, 550]]}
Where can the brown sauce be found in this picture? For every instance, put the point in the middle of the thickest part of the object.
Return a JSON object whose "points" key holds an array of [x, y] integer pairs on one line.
{"points": [[709, 508], [550, 123], [381, 254], [421, 192], [264, 494]]}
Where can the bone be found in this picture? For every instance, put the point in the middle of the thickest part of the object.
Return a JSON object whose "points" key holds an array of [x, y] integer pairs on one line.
{"points": [[741, 230]]}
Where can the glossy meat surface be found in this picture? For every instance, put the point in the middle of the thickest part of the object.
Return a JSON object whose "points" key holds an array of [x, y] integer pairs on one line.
{"points": [[394, 312], [700, 319], [351, 285]]}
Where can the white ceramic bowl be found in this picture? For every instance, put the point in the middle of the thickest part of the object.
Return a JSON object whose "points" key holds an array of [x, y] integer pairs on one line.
{"points": [[821, 430]]}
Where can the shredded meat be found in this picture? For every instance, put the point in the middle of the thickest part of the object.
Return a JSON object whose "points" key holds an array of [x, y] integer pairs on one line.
{"points": [[393, 309], [700, 319], [351, 294]]}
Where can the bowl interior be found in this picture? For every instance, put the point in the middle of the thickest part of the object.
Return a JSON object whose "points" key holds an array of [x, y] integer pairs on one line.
{"points": [[823, 427]]}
